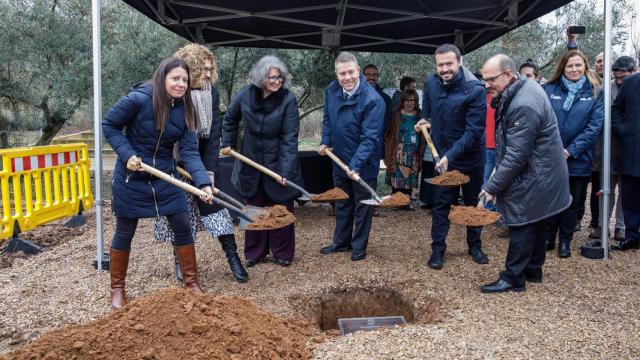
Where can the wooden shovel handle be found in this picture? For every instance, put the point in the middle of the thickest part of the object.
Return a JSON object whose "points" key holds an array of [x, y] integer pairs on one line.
{"points": [[337, 160], [185, 174], [255, 165], [170, 179], [425, 132]]}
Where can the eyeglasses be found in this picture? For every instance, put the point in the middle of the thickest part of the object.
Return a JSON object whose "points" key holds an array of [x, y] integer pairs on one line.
{"points": [[494, 78], [275, 79], [410, 100]]}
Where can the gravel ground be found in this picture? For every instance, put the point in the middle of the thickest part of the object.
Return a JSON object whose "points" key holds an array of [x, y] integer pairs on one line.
{"points": [[583, 309]]}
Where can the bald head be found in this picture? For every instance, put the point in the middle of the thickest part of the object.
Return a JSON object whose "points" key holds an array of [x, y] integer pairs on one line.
{"points": [[498, 72]]}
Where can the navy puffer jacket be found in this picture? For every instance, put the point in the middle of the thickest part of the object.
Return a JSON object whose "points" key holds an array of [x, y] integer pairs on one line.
{"points": [[129, 127], [580, 126]]}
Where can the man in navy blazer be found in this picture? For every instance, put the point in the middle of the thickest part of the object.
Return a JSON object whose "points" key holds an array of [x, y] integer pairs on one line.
{"points": [[352, 125]]}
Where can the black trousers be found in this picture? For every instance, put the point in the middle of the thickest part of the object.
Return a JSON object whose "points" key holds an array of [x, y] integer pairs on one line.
{"points": [[126, 228], [631, 207], [562, 225], [427, 190], [594, 200], [444, 198], [526, 253], [353, 219]]}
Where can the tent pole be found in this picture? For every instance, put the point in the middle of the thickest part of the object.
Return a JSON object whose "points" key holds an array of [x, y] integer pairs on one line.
{"points": [[606, 148], [97, 128]]}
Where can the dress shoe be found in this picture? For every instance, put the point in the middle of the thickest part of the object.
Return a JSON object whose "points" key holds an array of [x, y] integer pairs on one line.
{"points": [[283, 262], [625, 245], [358, 257], [500, 286], [534, 279], [618, 234], [564, 250], [435, 261], [251, 263], [478, 256], [551, 245], [334, 249], [596, 233]]}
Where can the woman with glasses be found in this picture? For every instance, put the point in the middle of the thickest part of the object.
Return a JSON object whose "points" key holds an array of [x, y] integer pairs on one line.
{"points": [[269, 112], [402, 146], [575, 95]]}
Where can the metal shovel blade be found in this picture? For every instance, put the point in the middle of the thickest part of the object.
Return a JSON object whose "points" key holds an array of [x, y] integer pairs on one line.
{"points": [[251, 212], [370, 202]]}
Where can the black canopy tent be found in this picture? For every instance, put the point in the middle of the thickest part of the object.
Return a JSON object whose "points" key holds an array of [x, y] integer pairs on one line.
{"points": [[417, 26], [401, 26]]}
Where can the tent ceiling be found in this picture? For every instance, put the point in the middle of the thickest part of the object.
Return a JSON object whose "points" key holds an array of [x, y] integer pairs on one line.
{"points": [[400, 26]]}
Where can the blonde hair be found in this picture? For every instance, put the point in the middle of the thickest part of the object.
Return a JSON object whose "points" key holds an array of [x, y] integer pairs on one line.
{"points": [[592, 77], [195, 56]]}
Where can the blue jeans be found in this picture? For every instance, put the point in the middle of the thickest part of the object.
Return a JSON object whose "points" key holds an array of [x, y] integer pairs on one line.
{"points": [[489, 164]]}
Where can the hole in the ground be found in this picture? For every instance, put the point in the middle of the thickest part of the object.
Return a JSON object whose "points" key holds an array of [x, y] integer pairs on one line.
{"points": [[362, 302]]}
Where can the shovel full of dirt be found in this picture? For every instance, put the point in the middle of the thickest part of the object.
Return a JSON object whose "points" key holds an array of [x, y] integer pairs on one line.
{"points": [[332, 195], [395, 200], [445, 179], [473, 215], [249, 215]]}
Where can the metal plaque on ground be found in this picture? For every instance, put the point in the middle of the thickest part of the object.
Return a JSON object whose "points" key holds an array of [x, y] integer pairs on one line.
{"points": [[350, 325]]}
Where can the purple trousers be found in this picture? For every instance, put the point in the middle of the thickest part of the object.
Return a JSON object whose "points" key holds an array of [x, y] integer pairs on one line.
{"points": [[281, 242]]}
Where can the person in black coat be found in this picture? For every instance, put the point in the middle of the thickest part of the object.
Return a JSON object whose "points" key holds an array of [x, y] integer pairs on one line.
{"points": [[213, 218], [271, 125], [143, 127], [625, 119], [529, 162]]}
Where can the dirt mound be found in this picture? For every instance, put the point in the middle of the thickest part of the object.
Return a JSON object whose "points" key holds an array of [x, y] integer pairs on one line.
{"points": [[450, 178], [274, 217], [472, 216], [176, 324], [395, 200], [334, 194]]}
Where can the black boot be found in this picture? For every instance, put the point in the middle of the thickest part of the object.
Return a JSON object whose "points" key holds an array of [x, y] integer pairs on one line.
{"points": [[177, 266], [551, 245], [228, 243], [625, 245], [564, 250]]}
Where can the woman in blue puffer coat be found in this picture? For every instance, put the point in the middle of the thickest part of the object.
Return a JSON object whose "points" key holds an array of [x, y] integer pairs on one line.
{"points": [[143, 127], [575, 95]]}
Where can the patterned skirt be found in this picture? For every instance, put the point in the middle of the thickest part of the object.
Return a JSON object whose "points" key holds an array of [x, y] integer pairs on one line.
{"points": [[216, 224]]}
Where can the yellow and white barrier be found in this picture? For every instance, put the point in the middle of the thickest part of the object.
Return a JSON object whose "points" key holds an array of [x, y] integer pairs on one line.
{"points": [[41, 184]]}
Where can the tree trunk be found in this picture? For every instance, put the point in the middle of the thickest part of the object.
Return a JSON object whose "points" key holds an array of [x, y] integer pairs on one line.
{"points": [[53, 123], [229, 89], [308, 112]]}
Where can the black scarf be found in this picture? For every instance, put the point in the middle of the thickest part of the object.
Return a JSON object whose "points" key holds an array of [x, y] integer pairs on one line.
{"points": [[265, 104]]}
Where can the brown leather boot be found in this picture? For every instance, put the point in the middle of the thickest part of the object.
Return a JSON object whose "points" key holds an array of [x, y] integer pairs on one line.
{"points": [[118, 263], [187, 259]]}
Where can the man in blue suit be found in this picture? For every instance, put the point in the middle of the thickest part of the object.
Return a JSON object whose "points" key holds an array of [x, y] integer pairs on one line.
{"points": [[352, 125], [454, 104]]}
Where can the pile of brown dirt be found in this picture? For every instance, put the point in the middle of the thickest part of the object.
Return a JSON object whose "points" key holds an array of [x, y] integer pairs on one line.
{"points": [[334, 194], [274, 217], [472, 216], [176, 324], [450, 178], [396, 200]]}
